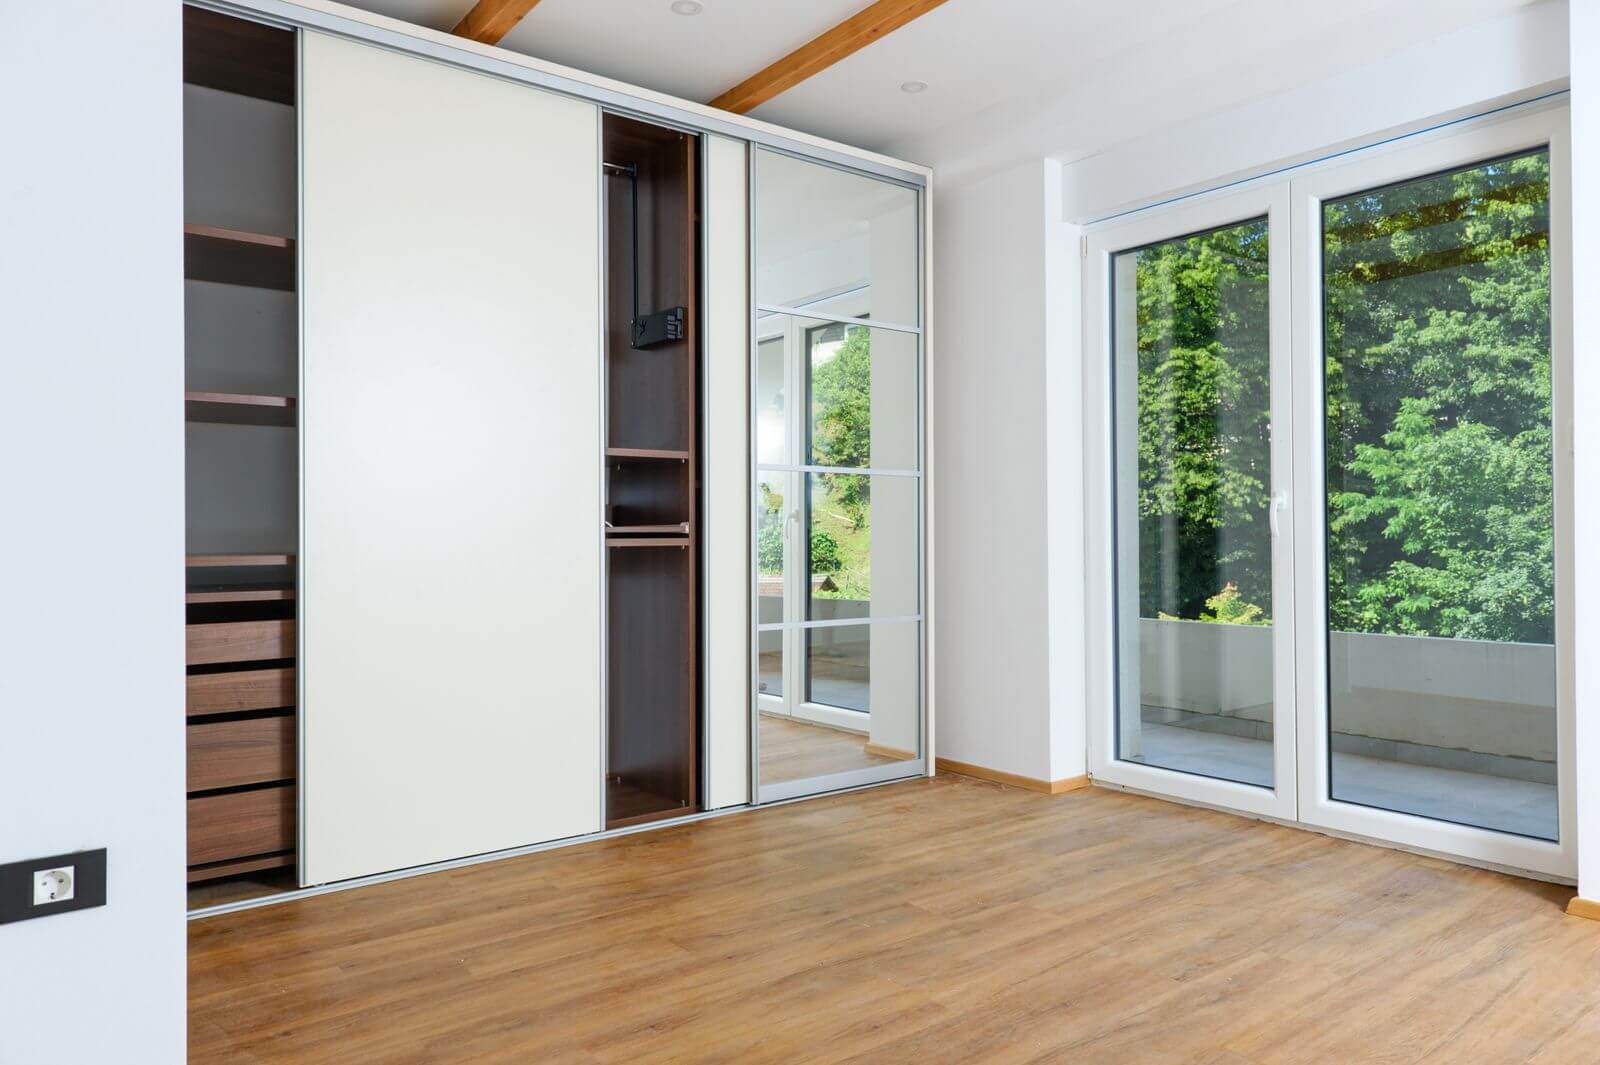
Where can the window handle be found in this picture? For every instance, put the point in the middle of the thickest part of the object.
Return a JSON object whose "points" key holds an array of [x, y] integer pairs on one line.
{"points": [[1280, 503]]}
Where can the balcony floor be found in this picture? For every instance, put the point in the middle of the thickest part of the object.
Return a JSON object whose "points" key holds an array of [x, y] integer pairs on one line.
{"points": [[1517, 806]]}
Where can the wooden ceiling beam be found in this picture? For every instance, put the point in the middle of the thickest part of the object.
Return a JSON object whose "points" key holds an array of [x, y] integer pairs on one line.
{"points": [[873, 22], [490, 20]]}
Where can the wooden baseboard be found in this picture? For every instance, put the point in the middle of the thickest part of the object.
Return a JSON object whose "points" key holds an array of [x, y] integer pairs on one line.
{"points": [[1048, 787], [894, 754], [1581, 907]]}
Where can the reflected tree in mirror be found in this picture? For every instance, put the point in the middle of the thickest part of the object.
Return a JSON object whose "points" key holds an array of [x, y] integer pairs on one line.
{"points": [[841, 435]]}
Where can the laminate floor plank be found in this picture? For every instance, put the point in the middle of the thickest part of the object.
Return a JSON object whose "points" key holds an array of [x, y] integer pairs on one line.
{"points": [[929, 921]]}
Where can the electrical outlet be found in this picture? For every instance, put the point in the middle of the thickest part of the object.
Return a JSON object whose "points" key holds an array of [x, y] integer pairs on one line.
{"points": [[53, 885]]}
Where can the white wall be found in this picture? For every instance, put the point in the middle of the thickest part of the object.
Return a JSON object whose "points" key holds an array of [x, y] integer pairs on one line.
{"points": [[91, 454], [1007, 310], [1585, 45], [990, 509], [1064, 484], [1499, 61]]}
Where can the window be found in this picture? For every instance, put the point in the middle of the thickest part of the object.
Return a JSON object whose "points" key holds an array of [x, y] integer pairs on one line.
{"points": [[1326, 419], [1440, 496], [1191, 329]]}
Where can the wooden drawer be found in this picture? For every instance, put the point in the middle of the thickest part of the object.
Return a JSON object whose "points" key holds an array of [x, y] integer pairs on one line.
{"points": [[241, 823], [240, 641], [227, 754], [244, 689]]}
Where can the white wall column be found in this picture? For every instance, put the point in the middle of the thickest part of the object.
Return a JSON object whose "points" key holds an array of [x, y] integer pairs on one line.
{"points": [[1009, 507], [1064, 480], [1585, 45]]}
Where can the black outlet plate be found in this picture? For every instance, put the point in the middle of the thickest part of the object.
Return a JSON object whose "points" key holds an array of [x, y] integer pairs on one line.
{"points": [[16, 885]]}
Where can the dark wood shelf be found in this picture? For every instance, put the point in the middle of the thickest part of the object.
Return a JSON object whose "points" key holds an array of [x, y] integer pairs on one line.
{"points": [[240, 593], [237, 55], [665, 454], [236, 866], [680, 528], [238, 257], [234, 408], [197, 561], [647, 541]]}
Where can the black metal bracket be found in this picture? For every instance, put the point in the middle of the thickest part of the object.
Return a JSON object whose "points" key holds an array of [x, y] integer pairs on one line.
{"points": [[657, 327]]}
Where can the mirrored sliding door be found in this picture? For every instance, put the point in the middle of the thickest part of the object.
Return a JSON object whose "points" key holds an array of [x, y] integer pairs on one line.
{"points": [[836, 387]]}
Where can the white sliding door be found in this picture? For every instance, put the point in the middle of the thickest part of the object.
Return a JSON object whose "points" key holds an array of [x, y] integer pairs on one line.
{"points": [[451, 428]]}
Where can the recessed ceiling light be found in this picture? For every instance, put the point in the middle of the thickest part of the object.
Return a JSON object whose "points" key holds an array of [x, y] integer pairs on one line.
{"points": [[687, 7], [913, 86]]}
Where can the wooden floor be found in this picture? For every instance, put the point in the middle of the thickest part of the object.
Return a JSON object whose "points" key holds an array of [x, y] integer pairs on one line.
{"points": [[796, 750], [930, 921]]}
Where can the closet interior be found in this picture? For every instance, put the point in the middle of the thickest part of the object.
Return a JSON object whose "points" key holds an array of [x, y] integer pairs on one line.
{"points": [[653, 479], [241, 360]]}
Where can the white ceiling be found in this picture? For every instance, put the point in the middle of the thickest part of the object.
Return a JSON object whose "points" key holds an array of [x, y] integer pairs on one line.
{"points": [[1078, 75]]}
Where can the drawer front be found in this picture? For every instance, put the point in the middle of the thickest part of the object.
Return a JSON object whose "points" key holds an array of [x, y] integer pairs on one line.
{"points": [[241, 823], [245, 689], [226, 754], [240, 641]]}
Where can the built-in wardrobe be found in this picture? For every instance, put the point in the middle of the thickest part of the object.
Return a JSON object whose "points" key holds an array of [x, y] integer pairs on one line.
{"points": [[470, 453]]}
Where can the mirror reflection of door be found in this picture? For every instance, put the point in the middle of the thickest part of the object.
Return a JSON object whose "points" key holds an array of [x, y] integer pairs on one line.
{"points": [[838, 478], [836, 553]]}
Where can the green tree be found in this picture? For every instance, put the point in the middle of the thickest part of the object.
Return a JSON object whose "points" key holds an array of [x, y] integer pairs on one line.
{"points": [[1203, 420], [841, 419], [1439, 461], [1438, 434]]}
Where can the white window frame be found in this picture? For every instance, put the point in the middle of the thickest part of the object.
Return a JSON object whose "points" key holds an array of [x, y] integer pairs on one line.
{"points": [[1293, 202], [1444, 150], [1106, 536]]}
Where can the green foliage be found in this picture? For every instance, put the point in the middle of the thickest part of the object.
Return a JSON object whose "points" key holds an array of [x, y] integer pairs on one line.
{"points": [[841, 435], [1438, 433], [1439, 460], [825, 556], [1229, 608], [1203, 420], [841, 403], [769, 532], [769, 547], [841, 420]]}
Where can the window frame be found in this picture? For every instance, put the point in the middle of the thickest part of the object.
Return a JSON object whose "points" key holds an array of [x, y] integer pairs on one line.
{"points": [[1110, 534], [1295, 199], [1473, 143]]}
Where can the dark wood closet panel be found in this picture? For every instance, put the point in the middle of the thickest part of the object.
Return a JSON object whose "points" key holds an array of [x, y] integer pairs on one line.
{"points": [[652, 471]]}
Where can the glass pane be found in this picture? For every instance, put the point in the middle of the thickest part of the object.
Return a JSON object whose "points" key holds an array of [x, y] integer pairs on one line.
{"points": [[772, 378], [1441, 546], [861, 386], [824, 235], [864, 688], [1194, 547], [839, 666], [769, 666], [862, 548], [773, 519]]}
